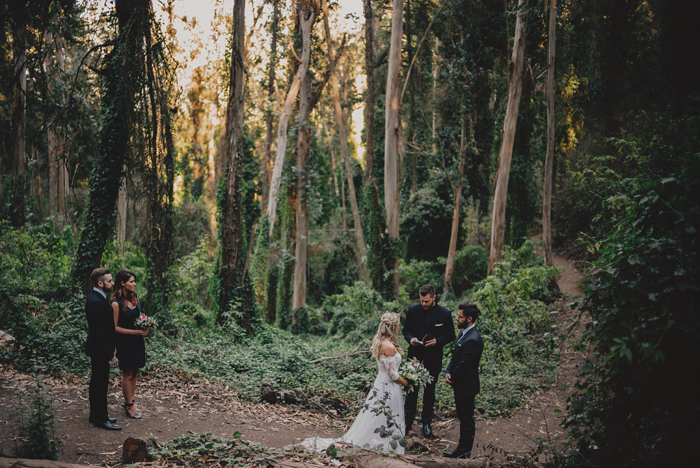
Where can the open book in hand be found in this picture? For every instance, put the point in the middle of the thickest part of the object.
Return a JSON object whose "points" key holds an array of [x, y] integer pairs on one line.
{"points": [[426, 338]]}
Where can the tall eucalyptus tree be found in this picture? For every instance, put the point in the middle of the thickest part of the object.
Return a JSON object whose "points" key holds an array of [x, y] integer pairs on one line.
{"points": [[391, 141], [549, 161], [505, 154], [234, 284]]}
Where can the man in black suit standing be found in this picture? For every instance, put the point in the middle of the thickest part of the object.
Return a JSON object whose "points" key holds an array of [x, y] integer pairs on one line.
{"points": [[463, 374], [428, 328], [100, 346]]}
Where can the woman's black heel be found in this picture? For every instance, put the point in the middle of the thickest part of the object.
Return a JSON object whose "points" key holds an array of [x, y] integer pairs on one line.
{"points": [[138, 414]]}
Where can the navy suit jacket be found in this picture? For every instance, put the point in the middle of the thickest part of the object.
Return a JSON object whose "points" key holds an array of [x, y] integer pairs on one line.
{"points": [[100, 318], [464, 365]]}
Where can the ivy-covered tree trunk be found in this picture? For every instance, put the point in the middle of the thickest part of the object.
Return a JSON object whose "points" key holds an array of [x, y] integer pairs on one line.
{"points": [[549, 160], [380, 256], [160, 170], [284, 316], [19, 117], [269, 115], [235, 291], [113, 153], [505, 155]]}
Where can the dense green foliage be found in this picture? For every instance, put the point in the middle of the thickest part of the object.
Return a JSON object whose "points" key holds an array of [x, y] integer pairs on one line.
{"points": [[627, 203], [195, 449], [635, 402], [520, 348]]}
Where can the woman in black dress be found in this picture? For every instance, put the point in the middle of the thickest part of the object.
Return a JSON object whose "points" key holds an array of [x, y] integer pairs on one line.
{"points": [[131, 349]]}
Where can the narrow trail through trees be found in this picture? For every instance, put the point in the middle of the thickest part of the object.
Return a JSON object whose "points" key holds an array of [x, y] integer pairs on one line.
{"points": [[173, 404]]}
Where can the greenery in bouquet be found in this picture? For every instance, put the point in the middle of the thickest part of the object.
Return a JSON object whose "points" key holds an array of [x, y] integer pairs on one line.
{"points": [[145, 323], [415, 373]]}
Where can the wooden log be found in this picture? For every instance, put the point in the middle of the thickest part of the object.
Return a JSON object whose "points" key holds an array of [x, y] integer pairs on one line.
{"points": [[429, 461], [27, 463], [136, 449], [368, 459]]}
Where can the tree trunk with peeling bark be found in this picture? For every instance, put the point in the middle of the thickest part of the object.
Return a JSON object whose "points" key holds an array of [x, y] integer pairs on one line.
{"points": [[515, 87], [302, 219], [549, 161], [343, 136], [307, 17], [269, 118], [449, 267], [391, 145]]}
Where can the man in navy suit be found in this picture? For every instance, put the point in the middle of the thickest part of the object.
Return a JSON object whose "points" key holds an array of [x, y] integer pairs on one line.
{"points": [[463, 374], [428, 328], [100, 346]]}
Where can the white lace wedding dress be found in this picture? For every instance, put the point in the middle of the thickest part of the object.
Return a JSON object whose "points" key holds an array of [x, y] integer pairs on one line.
{"points": [[385, 393]]}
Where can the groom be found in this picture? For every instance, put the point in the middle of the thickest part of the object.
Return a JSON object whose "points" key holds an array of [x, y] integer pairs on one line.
{"points": [[428, 327], [463, 374], [100, 346]]}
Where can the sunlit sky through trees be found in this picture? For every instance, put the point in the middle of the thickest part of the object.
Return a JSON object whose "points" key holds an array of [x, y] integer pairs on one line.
{"points": [[202, 29]]}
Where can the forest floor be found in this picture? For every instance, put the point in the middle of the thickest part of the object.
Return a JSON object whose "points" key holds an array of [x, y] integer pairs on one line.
{"points": [[203, 406]]}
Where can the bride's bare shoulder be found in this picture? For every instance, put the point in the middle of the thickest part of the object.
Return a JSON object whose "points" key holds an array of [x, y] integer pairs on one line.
{"points": [[387, 348]]}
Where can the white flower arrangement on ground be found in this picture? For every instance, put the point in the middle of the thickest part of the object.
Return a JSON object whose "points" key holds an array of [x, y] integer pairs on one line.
{"points": [[415, 373]]}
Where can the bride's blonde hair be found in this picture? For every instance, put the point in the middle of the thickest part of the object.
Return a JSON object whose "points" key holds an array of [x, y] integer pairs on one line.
{"points": [[386, 331]]}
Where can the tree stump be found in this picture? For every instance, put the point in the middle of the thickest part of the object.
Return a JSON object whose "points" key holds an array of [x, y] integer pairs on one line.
{"points": [[268, 394], [135, 450], [6, 340]]}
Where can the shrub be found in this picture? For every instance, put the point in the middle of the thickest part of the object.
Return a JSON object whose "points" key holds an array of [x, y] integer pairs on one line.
{"points": [[635, 401], [33, 423], [34, 260]]}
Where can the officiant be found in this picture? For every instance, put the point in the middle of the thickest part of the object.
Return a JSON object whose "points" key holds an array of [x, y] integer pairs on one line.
{"points": [[428, 328]]}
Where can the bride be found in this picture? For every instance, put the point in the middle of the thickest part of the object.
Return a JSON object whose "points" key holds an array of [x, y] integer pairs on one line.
{"points": [[383, 408]]}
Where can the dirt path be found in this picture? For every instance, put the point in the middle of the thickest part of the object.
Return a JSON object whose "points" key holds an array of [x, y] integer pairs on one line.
{"points": [[173, 404], [519, 434]]}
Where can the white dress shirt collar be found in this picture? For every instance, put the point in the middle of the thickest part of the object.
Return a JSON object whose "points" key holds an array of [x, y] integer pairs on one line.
{"points": [[101, 292]]}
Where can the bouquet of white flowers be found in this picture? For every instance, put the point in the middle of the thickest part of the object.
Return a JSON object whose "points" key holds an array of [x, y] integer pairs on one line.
{"points": [[145, 323], [415, 373]]}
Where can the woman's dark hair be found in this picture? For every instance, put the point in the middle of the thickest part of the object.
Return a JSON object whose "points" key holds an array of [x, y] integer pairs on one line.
{"points": [[121, 294]]}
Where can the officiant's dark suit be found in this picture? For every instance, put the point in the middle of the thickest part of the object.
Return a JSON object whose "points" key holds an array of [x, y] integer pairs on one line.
{"points": [[463, 374], [426, 318], [100, 346]]}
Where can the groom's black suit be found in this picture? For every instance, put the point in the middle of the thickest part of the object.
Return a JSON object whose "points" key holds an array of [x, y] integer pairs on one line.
{"points": [[464, 374], [100, 347]]}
